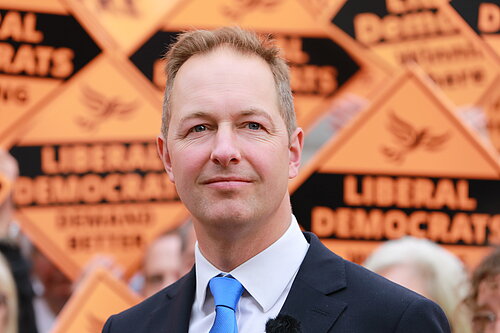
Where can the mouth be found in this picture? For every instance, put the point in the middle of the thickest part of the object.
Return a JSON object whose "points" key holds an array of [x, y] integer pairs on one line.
{"points": [[226, 182]]}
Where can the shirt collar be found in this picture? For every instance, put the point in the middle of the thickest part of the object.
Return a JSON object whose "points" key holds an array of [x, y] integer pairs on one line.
{"points": [[264, 276]]}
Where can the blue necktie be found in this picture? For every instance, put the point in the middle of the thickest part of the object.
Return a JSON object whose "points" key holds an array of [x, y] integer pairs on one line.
{"points": [[227, 292]]}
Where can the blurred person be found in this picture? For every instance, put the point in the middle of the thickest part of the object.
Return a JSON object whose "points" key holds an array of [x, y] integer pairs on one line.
{"points": [[428, 269], [8, 299], [52, 288], [168, 257], [484, 297], [9, 247], [230, 144]]}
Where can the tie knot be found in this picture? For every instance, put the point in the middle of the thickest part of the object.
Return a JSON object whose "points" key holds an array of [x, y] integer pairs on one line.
{"points": [[226, 291]]}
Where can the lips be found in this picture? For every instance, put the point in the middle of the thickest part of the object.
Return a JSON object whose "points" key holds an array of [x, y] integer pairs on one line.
{"points": [[228, 180]]}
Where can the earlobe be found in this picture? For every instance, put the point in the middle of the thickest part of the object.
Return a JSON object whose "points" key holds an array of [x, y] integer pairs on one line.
{"points": [[161, 147], [295, 152]]}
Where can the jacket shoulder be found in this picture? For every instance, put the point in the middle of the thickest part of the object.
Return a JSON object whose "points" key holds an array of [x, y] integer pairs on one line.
{"points": [[371, 302], [132, 319]]}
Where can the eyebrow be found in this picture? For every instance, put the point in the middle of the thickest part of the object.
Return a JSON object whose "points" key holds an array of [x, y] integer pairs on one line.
{"points": [[245, 113], [258, 112], [194, 115]]}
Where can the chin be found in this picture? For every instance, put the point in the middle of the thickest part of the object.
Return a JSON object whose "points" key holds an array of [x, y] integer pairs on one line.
{"points": [[230, 218]]}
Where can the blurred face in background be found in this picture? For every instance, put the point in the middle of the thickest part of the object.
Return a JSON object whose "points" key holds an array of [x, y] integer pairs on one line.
{"points": [[162, 264], [486, 317]]}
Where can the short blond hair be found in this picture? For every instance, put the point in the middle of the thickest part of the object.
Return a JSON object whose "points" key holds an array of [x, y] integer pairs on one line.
{"points": [[196, 42]]}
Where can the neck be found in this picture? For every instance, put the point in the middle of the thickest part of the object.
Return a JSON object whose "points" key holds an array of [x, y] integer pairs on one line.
{"points": [[231, 248]]}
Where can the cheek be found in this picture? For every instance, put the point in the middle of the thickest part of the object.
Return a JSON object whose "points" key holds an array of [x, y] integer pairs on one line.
{"points": [[188, 161], [275, 165]]}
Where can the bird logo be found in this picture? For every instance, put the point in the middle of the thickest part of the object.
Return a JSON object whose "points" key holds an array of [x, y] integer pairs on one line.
{"points": [[239, 8], [409, 139], [102, 108]]}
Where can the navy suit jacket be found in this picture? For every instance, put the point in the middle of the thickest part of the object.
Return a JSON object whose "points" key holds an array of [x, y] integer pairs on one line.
{"points": [[329, 294]]}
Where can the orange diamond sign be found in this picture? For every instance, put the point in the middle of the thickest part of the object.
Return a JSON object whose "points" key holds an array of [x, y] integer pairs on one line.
{"points": [[91, 181], [429, 33], [36, 59], [121, 25], [402, 169]]}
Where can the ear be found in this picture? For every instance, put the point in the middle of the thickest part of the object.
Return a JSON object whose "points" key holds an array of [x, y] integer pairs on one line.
{"points": [[295, 152], [161, 146]]}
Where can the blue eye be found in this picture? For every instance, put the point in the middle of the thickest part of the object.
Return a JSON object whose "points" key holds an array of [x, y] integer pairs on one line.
{"points": [[254, 126], [199, 128]]}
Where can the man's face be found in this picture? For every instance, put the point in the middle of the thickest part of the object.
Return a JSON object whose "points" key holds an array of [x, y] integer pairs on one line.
{"points": [[228, 150], [487, 313]]}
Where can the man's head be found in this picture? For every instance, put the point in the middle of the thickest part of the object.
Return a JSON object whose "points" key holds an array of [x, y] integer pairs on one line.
{"points": [[228, 149], [203, 41]]}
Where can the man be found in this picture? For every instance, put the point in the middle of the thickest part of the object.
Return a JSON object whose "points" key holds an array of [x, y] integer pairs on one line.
{"points": [[230, 144]]}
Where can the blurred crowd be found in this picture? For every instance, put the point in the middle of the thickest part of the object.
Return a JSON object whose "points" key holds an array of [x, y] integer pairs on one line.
{"points": [[33, 290]]}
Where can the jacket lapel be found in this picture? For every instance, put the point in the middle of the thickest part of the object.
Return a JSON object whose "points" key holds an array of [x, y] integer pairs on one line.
{"points": [[174, 314], [310, 299]]}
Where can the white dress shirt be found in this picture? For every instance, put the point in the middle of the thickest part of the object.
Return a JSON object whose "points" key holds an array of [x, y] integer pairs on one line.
{"points": [[267, 279]]}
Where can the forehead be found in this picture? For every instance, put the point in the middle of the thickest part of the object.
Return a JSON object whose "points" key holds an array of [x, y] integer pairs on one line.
{"points": [[221, 59], [222, 75]]}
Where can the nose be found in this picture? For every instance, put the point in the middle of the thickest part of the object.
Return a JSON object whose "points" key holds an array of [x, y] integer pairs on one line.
{"points": [[225, 150]]}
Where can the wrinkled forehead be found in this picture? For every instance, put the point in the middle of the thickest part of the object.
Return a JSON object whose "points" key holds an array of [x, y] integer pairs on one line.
{"points": [[223, 73], [223, 55]]}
